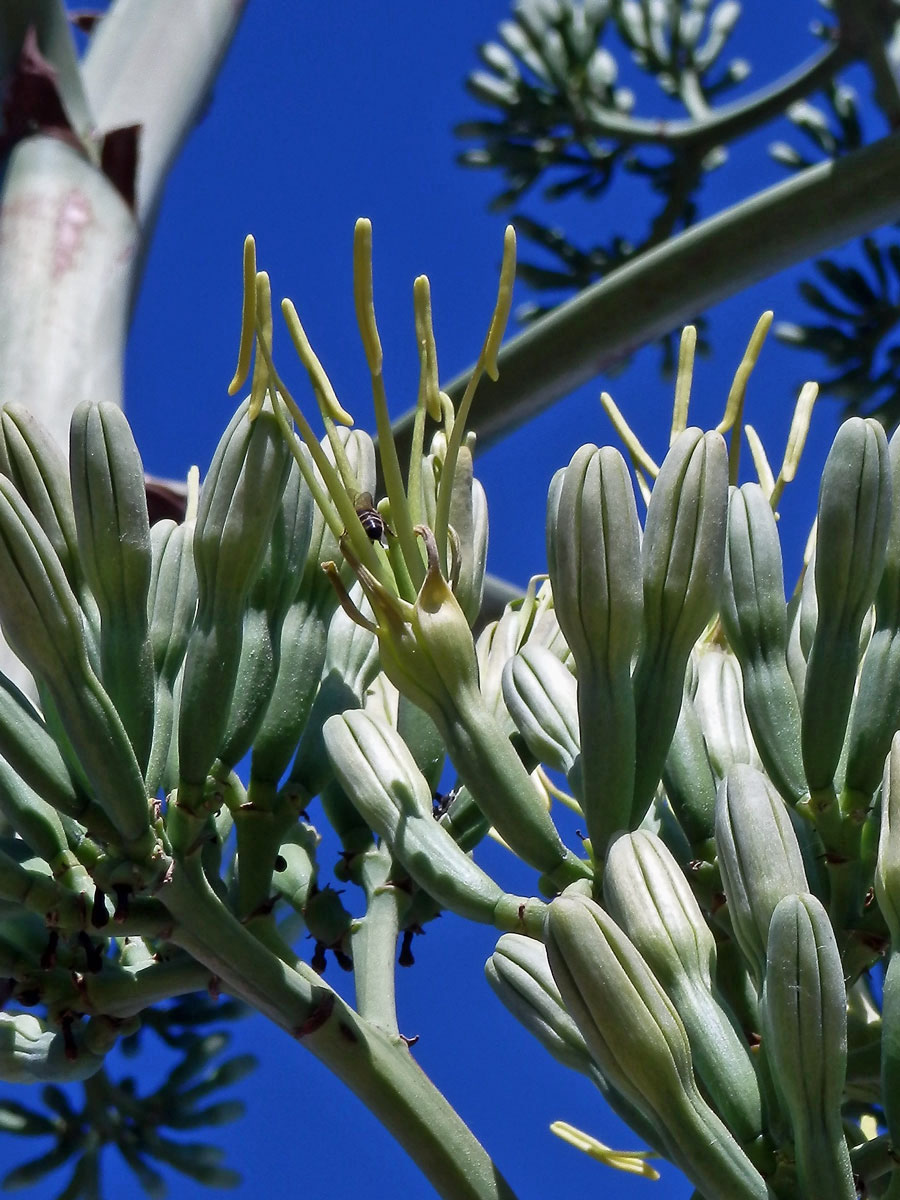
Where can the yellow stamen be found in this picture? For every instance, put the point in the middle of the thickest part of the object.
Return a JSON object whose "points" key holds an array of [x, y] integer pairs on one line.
{"points": [[325, 393], [796, 438], [502, 308], [683, 381], [260, 383], [363, 294], [634, 1162], [734, 407], [760, 461], [636, 452], [248, 317]]}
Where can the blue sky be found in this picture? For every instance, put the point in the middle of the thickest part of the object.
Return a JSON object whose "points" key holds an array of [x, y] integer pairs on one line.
{"points": [[324, 113]]}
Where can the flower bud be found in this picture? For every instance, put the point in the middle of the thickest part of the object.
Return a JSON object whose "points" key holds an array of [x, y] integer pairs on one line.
{"points": [[110, 505], [754, 615], [238, 505], [378, 773], [541, 696], [804, 1020], [593, 552], [647, 894], [682, 554], [637, 1039], [854, 517], [759, 858]]}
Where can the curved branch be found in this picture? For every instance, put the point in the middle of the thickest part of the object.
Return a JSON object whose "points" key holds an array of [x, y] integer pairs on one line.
{"points": [[816, 209]]}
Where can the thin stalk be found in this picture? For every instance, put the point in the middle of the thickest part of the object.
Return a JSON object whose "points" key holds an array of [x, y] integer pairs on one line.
{"points": [[376, 1067]]}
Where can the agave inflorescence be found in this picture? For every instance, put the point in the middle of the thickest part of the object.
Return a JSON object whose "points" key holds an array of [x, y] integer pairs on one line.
{"points": [[722, 745]]}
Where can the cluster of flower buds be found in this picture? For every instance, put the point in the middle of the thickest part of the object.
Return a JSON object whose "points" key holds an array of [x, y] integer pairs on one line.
{"points": [[708, 953]]}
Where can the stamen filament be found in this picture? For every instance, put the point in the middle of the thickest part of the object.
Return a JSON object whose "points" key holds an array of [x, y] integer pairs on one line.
{"points": [[248, 317]]}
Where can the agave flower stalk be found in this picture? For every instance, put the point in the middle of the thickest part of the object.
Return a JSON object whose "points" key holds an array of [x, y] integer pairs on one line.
{"points": [[425, 640]]}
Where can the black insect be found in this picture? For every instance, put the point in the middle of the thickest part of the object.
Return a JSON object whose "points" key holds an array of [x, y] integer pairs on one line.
{"points": [[370, 518]]}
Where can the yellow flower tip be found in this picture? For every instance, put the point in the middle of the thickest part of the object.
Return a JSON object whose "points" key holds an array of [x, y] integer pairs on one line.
{"points": [[503, 305], [633, 1162], [363, 294], [430, 389], [248, 317]]}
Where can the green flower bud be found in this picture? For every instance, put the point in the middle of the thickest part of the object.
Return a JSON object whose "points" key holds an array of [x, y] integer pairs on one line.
{"points": [[853, 522], [887, 865], [44, 626], [759, 858], [542, 698], [468, 517], [647, 894], [520, 976], [719, 704], [378, 773], [428, 654], [270, 597], [593, 552], [33, 1051], [639, 1042], [34, 756], [30, 457], [688, 777], [876, 708], [351, 663], [295, 875], [304, 632], [530, 618], [682, 554], [238, 505], [519, 973], [113, 527], [172, 603], [754, 615], [804, 1022]]}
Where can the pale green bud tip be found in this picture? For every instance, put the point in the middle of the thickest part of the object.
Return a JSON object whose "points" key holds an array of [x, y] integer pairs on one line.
{"points": [[633, 1162]]}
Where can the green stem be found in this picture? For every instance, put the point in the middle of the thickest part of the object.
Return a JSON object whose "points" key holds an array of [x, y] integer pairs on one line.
{"points": [[807, 214], [376, 1067], [375, 941]]}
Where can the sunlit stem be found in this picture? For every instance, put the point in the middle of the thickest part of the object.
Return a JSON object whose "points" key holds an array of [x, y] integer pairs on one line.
{"points": [[796, 439], [636, 452], [486, 362], [387, 451], [264, 334], [683, 380], [248, 318], [632, 1161], [734, 407]]}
